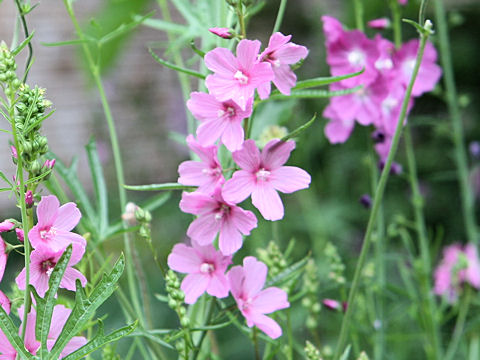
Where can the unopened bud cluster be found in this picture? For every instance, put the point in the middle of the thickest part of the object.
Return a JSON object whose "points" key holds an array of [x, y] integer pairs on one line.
{"points": [[176, 297], [144, 218], [8, 77], [337, 268], [311, 352], [310, 300], [273, 258]]}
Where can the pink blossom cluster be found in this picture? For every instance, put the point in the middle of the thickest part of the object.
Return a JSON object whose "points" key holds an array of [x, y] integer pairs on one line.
{"points": [[459, 265], [386, 74], [260, 174], [49, 238]]}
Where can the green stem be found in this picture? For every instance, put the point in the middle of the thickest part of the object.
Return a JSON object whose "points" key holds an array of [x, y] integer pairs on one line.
{"points": [[358, 8], [279, 19], [396, 23], [241, 19], [466, 194], [255, 343], [27, 34], [459, 325], [379, 195]]}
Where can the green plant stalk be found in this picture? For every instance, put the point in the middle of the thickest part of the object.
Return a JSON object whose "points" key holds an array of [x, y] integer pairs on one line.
{"points": [[466, 194], [358, 8], [459, 325], [241, 19], [279, 19], [396, 23], [26, 32], [379, 195]]}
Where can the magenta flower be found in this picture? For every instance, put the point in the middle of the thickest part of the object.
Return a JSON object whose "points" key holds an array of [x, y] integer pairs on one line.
{"points": [[205, 268], [206, 173], [337, 130], [402, 2], [55, 222], [236, 78], [219, 120], [215, 215], [380, 23], [224, 33], [246, 285], [429, 72], [332, 28], [42, 262], [262, 175], [459, 265], [281, 53]]}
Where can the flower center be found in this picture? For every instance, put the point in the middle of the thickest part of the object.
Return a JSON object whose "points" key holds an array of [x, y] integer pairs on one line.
{"points": [[408, 67], [222, 211], [245, 304], [47, 266], [386, 64], [389, 104], [47, 233], [262, 174], [241, 77], [356, 57], [213, 172], [207, 268]]}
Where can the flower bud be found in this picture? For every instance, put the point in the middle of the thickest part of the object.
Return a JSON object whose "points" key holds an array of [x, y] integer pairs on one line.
{"points": [[224, 33], [20, 235], [29, 198], [6, 225], [380, 24]]}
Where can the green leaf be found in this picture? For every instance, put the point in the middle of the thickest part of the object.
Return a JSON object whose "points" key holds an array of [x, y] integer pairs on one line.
{"points": [[321, 81], [164, 25], [123, 29], [45, 305], [313, 94], [159, 187], [11, 332], [345, 353], [23, 44], [37, 122], [151, 337], [2, 175], [68, 42], [300, 129], [99, 185], [85, 307], [100, 339], [289, 273], [175, 67]]}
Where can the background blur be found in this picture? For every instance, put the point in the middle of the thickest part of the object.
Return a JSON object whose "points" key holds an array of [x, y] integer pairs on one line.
{"points": [[149, 110]]}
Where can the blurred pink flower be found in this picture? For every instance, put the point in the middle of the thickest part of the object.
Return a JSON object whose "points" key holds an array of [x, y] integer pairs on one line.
{"points": [[224, 33], [4, 301], [42, 262], [20, 234], [459, 265], [402, 2], [380, 23], [6, 225], [219, 120], [206, 173], [262, 175], [332, 28], [205, 268], [281, 53], [55, 222], [215, 215], [236, 78], [337, 130], [246, 285]]}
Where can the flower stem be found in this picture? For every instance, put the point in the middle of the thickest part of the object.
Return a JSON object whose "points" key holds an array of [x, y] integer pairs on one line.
{"points": [[358, 8], [379, 194], [26, 32], [459, 325], [466, 194], [241, 19], [279, 19]]}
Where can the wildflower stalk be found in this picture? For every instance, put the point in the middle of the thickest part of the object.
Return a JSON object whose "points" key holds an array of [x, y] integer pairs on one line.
{"points": [[358, 9], [396, 23], [466, 194], [459, 325], [29, 45], [241, 18], [380, 191], [279, 19]]}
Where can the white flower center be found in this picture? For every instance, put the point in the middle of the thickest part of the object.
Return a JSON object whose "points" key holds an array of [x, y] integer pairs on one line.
{"points": [[241, 77], [356, 57], [207, 268], [222, 211], [213, 172], [262, 174], [408, 67], [384, 64], [47, 233], [389, 104]]}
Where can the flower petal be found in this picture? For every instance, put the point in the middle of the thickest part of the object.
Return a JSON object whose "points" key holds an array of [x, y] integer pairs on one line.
{"points": [[204, 229], [248, 157], [266, 199], [184, 259], [239, 187], [221, 61], [276, 153], [255, 275], [68, 217], [47, 209], [270, 300], [193, 286], [288, 179]]}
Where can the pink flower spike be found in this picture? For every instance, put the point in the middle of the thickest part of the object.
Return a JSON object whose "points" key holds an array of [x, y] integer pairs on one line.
{"points": [[6, 225], [224, 33], [43, 260], [206, 173], [54, 225], [262, 175], [281, 53], [205, 268], [381, 23], [236, 78], [246, 285], [219, 120], [215, 216]]}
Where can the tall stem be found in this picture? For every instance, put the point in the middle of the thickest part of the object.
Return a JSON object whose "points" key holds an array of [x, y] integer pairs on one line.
{"points": [[26, 32], [379, 195], [466, 194], [459, 325], [358, 8], [279, 19]]}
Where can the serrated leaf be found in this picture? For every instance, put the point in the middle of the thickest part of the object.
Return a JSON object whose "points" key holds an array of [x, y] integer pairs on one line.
{"points": [[99, 184], [100, 339], [85, 307], [159, 187], [22, 45], [11, 332], [175, 67]]}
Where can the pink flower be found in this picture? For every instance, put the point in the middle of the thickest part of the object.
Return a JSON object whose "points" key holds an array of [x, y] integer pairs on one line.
{"points": [[246, 285], [215, 215], [332, 28], [224, 33], [429, 72], [13, 150], [42, 262], [337, 130], [4, 301], [281, 53], [29, 198], [206, 173], [332, 304], [6, 225], [205, 268], [381, 23], [20, 235], [458, 265], [236, 78], [402, 2], [219, 119], [262, 175], [54, 225]]}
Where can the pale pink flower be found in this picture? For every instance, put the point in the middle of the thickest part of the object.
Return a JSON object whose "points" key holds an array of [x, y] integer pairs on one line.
{"points": [[219, 120], [429, 72], [224, 33], [55, 222], [246, 285], [236, 78], [5, 302], [384, 63], [380, 23], [13, 150], [402, 2], [6, 225], [206, 173], [459, 265], [332, 29], [42, 262], [215, 215], [281, 53], [262, 175], [205, 268], [332, 304], [337, 129]]}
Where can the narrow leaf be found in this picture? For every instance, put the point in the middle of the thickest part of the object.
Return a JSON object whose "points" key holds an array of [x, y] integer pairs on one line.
{"points": [[321, 81], [23, 44], [2, 175], [151, 337], [345, 353], [314, 94], [164, 26], [159, 187], [300, 129], [175, 67], [291, 272], [123, 29], [38, 122], [67, 42]]}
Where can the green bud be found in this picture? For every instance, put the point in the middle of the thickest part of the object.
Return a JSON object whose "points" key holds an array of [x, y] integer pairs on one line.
{"points": [[172, 303], [185, 322]]}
